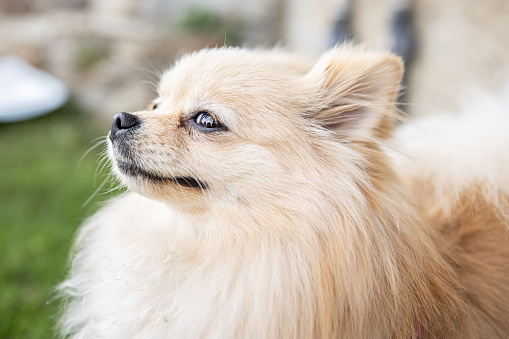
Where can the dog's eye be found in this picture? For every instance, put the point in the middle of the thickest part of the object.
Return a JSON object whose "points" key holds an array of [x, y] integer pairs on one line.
{"points": [[208, 122], [153, 106]]}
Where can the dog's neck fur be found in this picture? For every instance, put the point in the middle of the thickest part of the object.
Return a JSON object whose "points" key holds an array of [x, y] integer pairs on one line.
{"points": [[382, 245]]}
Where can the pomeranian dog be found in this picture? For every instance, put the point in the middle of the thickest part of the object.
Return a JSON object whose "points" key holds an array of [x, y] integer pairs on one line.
{"points": [[271, 199]]}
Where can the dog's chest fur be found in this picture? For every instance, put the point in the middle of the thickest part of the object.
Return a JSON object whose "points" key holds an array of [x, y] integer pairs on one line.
{"points": [[140, 275]]}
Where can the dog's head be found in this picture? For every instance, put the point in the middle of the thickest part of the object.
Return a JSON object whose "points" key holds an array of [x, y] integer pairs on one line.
{"points": [[230, 123]]}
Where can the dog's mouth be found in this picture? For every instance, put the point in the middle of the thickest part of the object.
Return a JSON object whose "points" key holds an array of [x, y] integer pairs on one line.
{"points": [[189, 182], [134, 171]]}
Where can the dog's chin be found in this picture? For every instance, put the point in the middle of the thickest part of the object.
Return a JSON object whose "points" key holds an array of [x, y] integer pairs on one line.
{"points": [[132, 171]]}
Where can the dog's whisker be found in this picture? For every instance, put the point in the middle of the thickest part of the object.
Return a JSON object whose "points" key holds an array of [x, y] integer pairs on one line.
{"points": [[102, 163], [87, 152], [98, 189]]}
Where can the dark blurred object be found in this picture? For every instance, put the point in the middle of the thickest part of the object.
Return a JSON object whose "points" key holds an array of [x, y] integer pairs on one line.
{"points": [[342, 29], [402, 38]]}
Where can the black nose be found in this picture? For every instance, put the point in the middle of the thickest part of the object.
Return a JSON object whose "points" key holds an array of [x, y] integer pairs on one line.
{"points": [[123, 122]]}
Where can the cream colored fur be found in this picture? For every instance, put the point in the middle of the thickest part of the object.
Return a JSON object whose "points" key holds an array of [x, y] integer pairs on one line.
{"points": [[307, 227]]}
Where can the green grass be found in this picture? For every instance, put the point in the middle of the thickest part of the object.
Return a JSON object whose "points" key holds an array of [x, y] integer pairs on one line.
{"points": [[42, 190]]}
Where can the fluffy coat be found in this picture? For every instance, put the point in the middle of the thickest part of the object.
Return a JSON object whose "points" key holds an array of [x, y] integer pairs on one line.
{"points": [[312, 220]]}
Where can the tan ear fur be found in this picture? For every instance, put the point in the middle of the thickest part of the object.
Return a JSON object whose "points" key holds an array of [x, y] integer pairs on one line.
{"points": [[356, 90]]}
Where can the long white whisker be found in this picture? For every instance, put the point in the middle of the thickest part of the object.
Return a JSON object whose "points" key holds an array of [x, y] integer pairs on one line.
{"points": [[87, 152], [96, 191], [101, 164], [113, 189]]}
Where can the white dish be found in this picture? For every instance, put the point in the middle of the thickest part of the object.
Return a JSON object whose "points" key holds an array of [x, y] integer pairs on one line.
{"points": [[26, 92]]}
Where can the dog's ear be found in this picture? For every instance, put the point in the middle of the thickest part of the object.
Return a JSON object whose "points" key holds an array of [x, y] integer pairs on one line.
{"points": [[355, 91]]}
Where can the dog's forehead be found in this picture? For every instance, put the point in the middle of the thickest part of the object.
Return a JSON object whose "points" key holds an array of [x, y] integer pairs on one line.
{"points": [[225, 75]]}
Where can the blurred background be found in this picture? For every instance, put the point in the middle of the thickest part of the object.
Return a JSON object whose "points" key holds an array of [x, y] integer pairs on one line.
{"points": [[108, 54]]}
